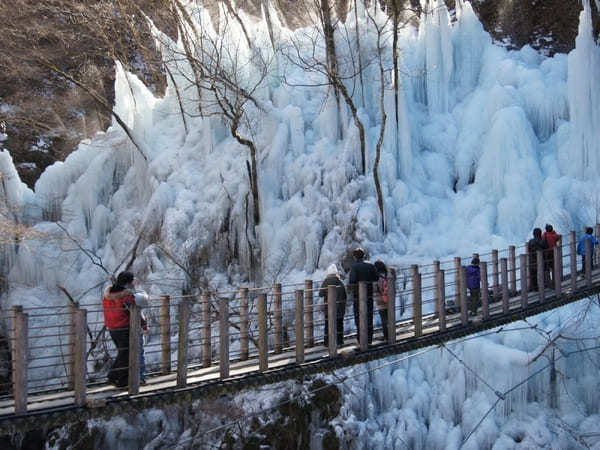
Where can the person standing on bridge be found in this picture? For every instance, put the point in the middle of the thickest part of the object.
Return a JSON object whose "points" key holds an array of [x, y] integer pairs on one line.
{"points": [[588, 236], [381, 296], [117, 300], [333, 279], [552, 238], [473, 284], [362, 271], [535, 244]]}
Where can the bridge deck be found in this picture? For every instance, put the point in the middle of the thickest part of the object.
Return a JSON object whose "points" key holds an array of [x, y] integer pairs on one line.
{"points": [[267, 361], [55, 402]]}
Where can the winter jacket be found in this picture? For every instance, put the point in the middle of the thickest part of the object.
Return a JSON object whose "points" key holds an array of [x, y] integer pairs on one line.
{"points": [[362, 271], [334, 280], [116, 308], [535, 244], [551, 238], [581, 244], [473, 277], [379, 288]]}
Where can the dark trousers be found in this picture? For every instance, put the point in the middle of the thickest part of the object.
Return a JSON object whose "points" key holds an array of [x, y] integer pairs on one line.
{"points": [[339, 326], [533, 277], [119, 372], [383, 316], [369, 319], [474, 299], [583, 263]]}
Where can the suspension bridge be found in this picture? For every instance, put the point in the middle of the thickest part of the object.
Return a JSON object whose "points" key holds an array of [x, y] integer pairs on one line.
{"points": [[220, 343]]}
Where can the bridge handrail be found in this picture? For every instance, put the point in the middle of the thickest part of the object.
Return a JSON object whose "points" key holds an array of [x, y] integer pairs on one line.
{"points": [[264, 322]]}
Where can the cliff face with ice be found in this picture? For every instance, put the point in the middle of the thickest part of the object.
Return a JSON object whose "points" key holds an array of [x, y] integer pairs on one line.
{"points": [[489, 143]]}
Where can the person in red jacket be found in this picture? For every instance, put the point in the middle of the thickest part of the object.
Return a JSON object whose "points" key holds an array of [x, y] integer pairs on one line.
{"points": [[116, 302], [552, 238]]}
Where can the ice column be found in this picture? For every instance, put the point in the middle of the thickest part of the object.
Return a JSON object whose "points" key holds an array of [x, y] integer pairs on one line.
{"points": [[581, 156], [437, 38]]}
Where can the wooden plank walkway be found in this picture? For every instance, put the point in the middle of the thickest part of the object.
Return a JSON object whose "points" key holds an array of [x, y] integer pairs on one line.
{"points": [[418, 331]]}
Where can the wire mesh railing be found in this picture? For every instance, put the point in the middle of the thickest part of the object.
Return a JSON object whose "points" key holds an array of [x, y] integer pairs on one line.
{"points": [[68, 349]]}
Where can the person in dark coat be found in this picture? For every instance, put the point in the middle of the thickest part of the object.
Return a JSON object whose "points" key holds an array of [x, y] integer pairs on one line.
{"points": [[333, 279], [535, 244], [473, 284], [362, 271]]}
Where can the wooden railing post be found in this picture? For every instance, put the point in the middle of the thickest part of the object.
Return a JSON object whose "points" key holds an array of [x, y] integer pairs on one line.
{"points": [[523, 259], [79, 356], [135, 329], [244, 324], [263, 338], [73, 308], [528, 281], [19, 359], [573, 259], [541, 279], [332, 320], [277, 318], [165, 334], [485, 300], [299, 326], [224, 337], [464, 317], [441, 296], [512, 270], [309, 327], [205, 330], [436, 300], [362, 331], [504, 283], [417, 300], [457, 266], [597, 255], [557, 270], [391, 306], [182, 343], [589, 249], [495, 273]]}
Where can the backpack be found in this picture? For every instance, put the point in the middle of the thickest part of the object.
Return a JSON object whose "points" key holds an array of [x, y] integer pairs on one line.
{"points": [[384, 291]]}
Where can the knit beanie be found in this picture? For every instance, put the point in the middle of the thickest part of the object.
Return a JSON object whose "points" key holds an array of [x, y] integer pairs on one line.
{"points": [[332, 270]]}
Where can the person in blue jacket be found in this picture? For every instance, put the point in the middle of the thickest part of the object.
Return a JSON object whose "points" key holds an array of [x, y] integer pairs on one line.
{"points": [[588, 236], [473, 283]]}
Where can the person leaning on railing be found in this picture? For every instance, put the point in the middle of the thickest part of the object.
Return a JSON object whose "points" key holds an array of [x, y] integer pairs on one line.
{"points": [[116, 303]]}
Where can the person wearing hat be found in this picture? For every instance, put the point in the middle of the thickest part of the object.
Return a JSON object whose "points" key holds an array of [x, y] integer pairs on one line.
{"points": [[362, 270], [333, 279], [473, 283], [117, 300]]}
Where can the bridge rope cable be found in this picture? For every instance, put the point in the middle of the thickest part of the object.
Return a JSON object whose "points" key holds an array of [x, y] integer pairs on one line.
{"points": [[346, 378], [466, 366], [562, 354]]}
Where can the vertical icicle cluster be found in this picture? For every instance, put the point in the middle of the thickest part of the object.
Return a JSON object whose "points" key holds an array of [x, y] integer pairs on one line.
{"points": [[581, 156], [436, 31]]}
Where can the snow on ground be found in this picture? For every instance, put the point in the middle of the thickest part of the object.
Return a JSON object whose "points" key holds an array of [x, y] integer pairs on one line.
{"points": [[489, 144]]}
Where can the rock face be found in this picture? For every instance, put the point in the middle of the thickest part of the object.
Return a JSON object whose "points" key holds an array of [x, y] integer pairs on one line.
{"points": [[46, 115], [549, 26]]}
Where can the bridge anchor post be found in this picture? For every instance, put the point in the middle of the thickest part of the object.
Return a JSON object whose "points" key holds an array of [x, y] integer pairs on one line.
{"points": [[391, 307], [299, 319], [165, 334], [485, 299], [182, 343], [19, 359], [332, 320]]}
